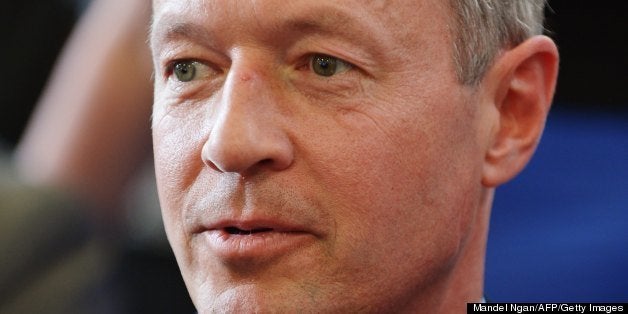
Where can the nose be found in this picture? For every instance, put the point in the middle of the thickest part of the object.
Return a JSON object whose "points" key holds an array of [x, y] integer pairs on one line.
{"points": [[247, 132]]}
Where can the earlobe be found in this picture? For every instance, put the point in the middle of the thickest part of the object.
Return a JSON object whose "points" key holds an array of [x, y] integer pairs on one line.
{"points": [[521, 83]]}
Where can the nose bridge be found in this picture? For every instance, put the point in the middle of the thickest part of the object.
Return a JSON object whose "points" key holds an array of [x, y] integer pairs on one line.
{"points": [[246, 89], [245, 105], [246, 131]]}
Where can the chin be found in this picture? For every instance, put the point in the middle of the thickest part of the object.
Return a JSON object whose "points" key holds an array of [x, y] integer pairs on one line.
{"points": [[252, 298]]}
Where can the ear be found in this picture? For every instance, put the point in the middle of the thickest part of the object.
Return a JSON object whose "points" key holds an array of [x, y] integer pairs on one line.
{"points": [[520, 85]]}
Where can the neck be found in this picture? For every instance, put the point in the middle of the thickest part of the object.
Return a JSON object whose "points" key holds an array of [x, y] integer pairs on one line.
{"points": [[466, 283]]}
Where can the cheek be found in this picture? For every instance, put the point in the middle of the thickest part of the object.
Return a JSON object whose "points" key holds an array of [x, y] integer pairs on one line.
{"points": [[179, 131], [397, 180], [406, 225], [177, 145], [425, 153], [176, 162]]}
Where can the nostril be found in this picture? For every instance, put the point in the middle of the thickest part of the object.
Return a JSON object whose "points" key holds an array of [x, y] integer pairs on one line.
{"points": [[266, 161], [233, 146]]}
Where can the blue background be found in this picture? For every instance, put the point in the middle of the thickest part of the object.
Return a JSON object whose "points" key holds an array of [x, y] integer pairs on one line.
{"points": [[559, 231]]}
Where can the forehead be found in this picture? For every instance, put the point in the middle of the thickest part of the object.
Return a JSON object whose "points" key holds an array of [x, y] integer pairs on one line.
{"points": [[373, 4], [400, 19]]}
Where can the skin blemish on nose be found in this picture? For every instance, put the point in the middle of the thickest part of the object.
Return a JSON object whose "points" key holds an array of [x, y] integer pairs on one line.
{"points": [[245, 77]]}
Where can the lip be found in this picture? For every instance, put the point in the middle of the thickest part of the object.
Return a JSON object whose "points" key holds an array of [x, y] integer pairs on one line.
{"points": [[255, 240]]}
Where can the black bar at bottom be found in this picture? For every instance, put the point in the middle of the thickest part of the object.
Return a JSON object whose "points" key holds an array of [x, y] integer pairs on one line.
{"points": [[522, 308]]}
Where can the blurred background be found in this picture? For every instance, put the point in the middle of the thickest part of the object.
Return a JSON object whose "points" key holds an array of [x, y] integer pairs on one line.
{"points": [[559, 231]]}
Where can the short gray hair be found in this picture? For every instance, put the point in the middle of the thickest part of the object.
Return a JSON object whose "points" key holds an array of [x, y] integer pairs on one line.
{"points": [[484, 27]]}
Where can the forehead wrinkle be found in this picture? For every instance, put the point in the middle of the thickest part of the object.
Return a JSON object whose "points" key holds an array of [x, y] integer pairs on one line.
{"points": [[318, 24], [317, 19], [171, 21], [355, 26], [178, 30]]}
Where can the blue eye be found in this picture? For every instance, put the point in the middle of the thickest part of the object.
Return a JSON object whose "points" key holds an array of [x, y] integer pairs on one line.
{"points": [[185, 71], [325, 65]]}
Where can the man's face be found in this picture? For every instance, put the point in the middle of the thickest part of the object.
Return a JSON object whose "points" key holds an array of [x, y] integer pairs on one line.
{"points": [[313, 154]]}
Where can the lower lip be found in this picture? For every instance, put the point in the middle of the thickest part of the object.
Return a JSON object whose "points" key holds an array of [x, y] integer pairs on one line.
{"points": [[256, 246]]}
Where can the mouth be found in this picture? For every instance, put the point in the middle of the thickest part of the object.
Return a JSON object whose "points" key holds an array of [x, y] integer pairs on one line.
{"points": [[238, 241], [238, 231]]}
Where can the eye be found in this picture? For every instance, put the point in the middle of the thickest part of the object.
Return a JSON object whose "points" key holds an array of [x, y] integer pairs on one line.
{"points": [[325, 65], [186, 71]]}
